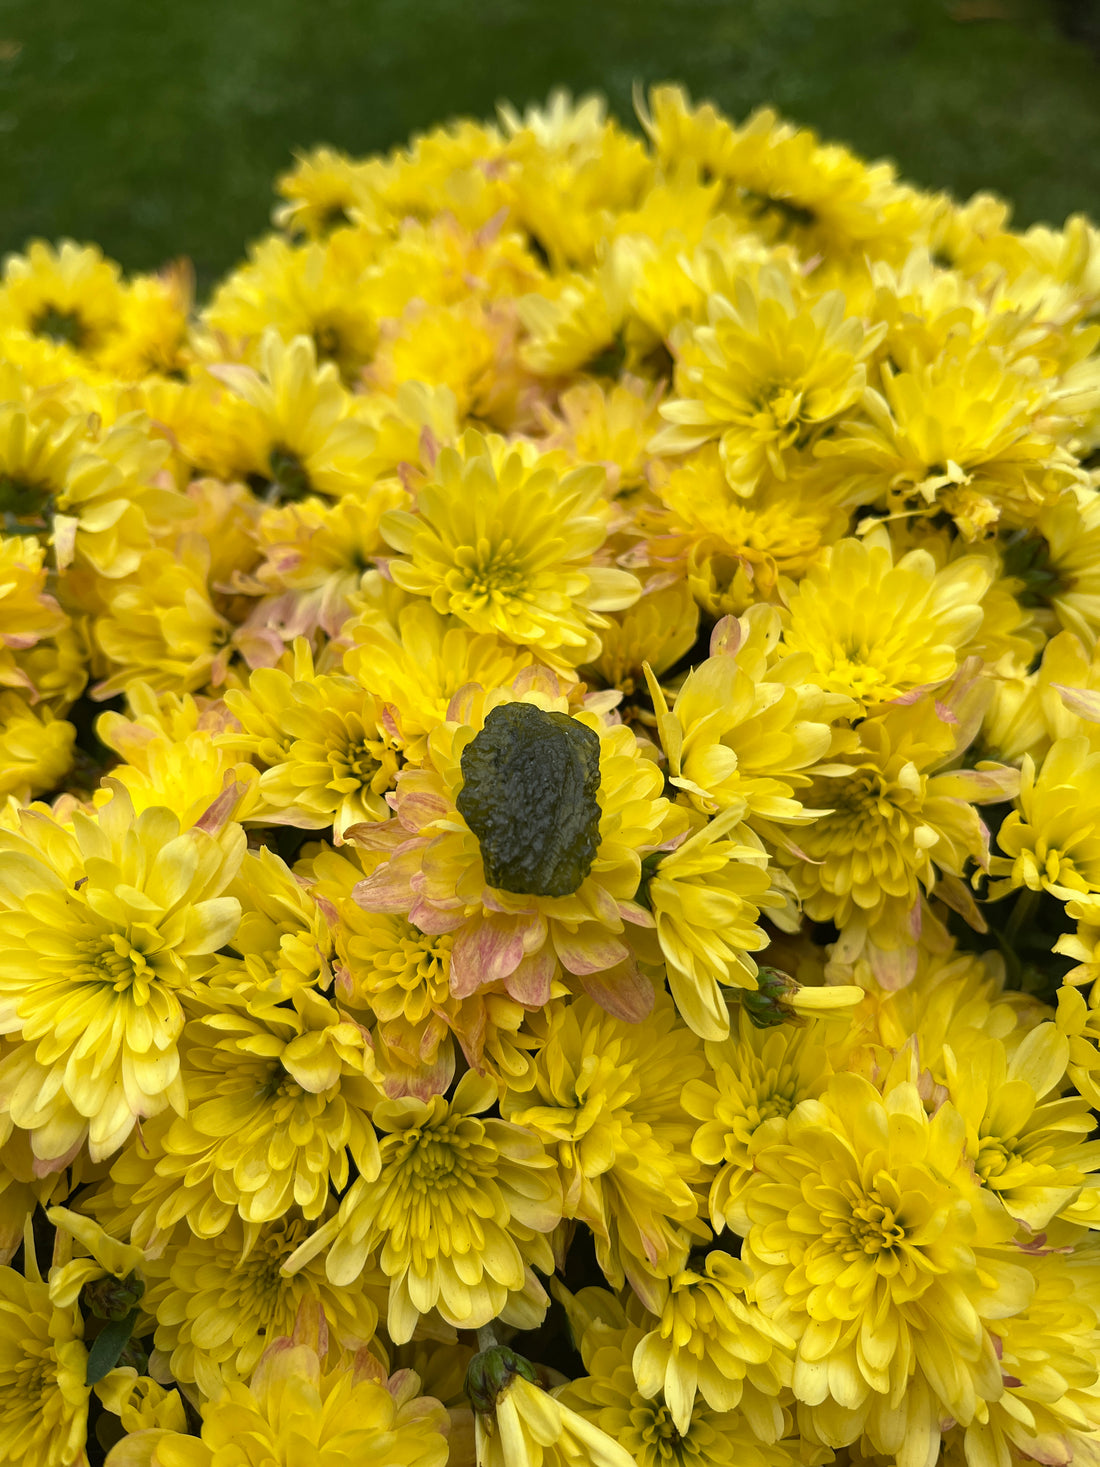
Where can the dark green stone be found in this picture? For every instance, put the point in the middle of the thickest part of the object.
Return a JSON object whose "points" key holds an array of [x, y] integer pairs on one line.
{"points": [[529, 795]]}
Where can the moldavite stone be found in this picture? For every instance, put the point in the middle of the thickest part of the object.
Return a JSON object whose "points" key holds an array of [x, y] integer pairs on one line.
{"points": [[530, 798]]}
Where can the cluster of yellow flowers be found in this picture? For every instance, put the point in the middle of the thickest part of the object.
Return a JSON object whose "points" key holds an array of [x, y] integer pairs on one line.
{"points": [[550, 855]]}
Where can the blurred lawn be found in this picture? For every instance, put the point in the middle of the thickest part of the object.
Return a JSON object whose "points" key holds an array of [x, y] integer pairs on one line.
{"points": [[157, 128]]}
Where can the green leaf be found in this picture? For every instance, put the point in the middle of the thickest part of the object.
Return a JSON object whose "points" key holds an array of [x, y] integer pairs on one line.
{"points": [[107, 1347]]}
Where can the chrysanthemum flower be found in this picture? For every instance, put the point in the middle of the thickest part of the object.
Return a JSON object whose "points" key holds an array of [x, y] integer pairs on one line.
{"points": [[322, 190], [748, 725], [151, 330], [220, 1302], [519, 1425], [283, 1099], [532, 875], [755, 1077], [298, 1402], [713, 1340], [43, 1362], [417, 666], [959, 434], [606, 1098], [458, 1216], [328, 758], [1027, 1143], [70, 295], [898, 820], [766, 375], [502, 541], [36, 749], [875, 626], [643, 1423], [874, 1244], [706, 897], [1050, 841], [303, 437], [27, 612], [104, 925]]}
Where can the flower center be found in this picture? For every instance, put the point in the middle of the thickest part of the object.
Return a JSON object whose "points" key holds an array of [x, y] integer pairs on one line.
{"points": [[289, 476], [487, 574], [529, 795], [996, 1155], [61, 326], [22, 499], [872, 1228], [113, 959]]}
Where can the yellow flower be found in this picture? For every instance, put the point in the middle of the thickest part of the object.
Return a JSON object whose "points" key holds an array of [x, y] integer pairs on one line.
{"points": [[766, 375], [1057, 563], [301, 1404], [705, 897], [328, 757], [606, 1097], [151, 330], [756, 1078], [302, 434], [518, 1425], [713, 1340], [611, 1399], [873, 1243], [659, 630], [103, 926], [608, 424], [36, 749], [874, 627], [504, 543], [961, 434], [748, 725], [285, 942], [899, 822], [322, 191], [1050, 841], [28, 614], [282, 1097], [457, 1216], [1027, 1143], [43, 1395], [220, 1302], [70, 295], [417, 666]]}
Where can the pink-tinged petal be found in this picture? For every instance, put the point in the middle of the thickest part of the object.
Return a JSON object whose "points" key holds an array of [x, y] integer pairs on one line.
{"points": [[632, 912], [726, 637], [484, 952], [434, 920], [418, 808], [420, 1082], [530, 983], [216, 815], [958, 896], [993, 784], [63, 539], [893, 969], [623, 991], [591, 949], [1085, 702], [388, 888]]}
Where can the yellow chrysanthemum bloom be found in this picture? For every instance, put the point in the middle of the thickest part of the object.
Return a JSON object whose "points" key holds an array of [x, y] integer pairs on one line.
{"points": [[714, 1341], [1028, 1144], [606, 1097], [220, 1302], [329, 759], [458, 1216], [28, 614], [875, 626], [301, 434], [960, 434], [299, 1403], [610, 1397], [1050, 842], [283, 1094], [151, 331], [285, 943], [418, 665], [748, 725], [43, 1362], [502, 541], [70, 295], [162, 626], [706, 897], [896, 821], [518, 1425], [532, 875], [36, 749], [766, 375], [322, 191], [659, 630], [1057, 563], [755, 1078], [875, 1246], [608, 424], [104, 924]]}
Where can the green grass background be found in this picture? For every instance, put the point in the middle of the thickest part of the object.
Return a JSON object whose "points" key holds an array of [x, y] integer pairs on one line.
{"points": [[156, 126]]}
